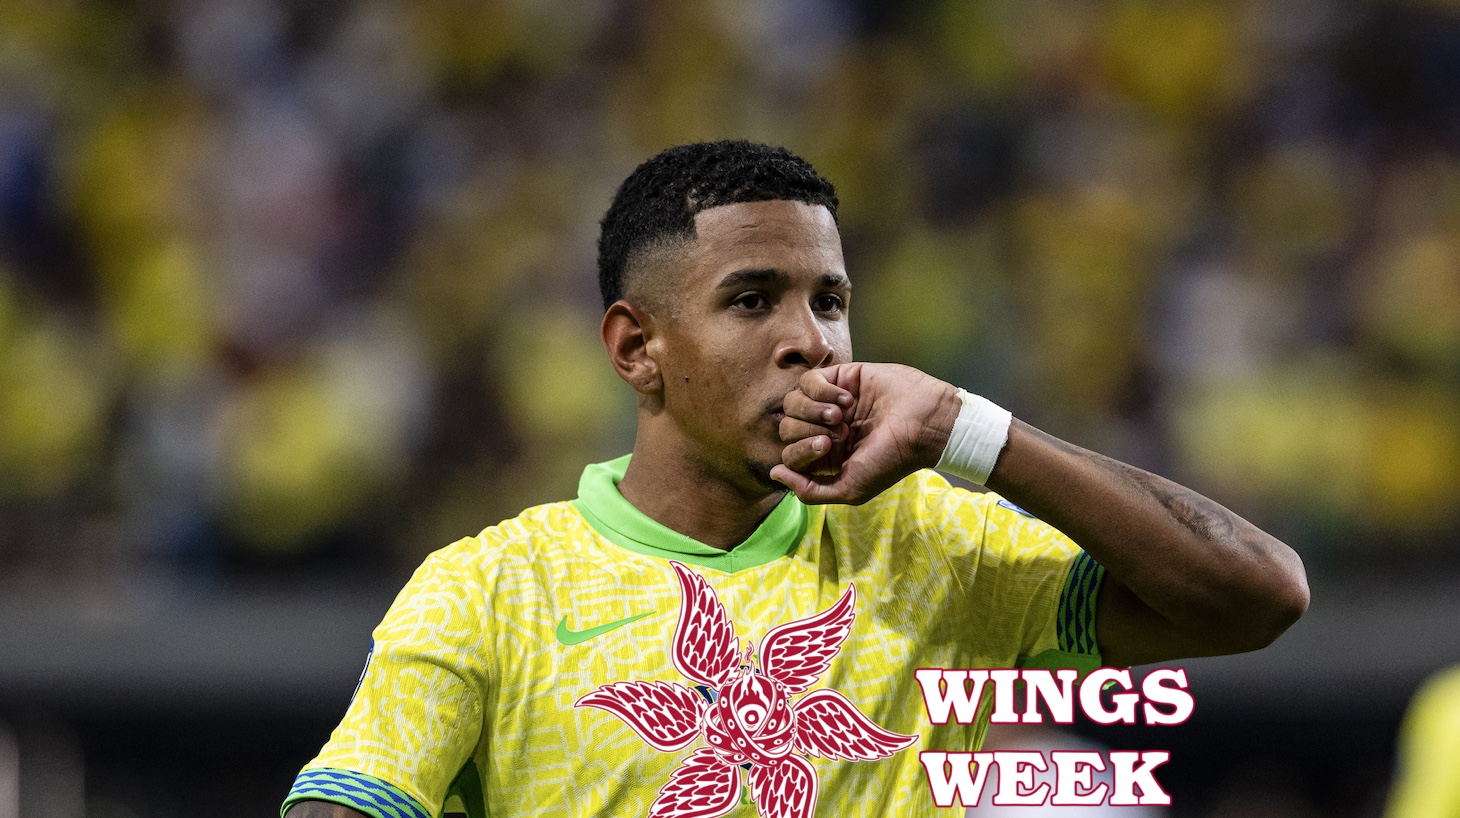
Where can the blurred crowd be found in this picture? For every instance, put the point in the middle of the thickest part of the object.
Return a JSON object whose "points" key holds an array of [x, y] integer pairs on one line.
{"points": [[290, 282]]}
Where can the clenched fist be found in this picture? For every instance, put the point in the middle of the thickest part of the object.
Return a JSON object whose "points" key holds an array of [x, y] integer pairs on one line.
{"points": [[853, 430]]}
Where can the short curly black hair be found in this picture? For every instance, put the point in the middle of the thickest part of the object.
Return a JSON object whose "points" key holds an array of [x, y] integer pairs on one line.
{"points": [[659, 200]]}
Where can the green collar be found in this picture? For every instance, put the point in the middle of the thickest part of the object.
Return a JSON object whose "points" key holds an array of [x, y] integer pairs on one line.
{"points": [[624, 525]]}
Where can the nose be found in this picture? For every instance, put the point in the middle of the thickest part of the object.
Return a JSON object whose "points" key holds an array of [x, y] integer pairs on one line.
{"points": [[804, 342]]}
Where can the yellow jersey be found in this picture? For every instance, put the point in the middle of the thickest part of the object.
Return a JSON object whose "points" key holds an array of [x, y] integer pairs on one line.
{"points": [[467, 701]]}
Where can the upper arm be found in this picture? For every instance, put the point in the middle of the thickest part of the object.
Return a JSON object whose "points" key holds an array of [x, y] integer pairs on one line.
{"points": [[322, 809], [1130, 632], [416, 717]]}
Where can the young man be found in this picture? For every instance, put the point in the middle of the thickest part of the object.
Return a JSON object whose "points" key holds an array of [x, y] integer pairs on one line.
{"points": [[684, 636]]}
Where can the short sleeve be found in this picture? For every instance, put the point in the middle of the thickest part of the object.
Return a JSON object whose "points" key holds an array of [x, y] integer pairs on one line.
{"points": [[416, 716], [1032, 598]]}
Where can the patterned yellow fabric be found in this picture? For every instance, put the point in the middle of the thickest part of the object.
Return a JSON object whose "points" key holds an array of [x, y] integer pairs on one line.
{"points": [[469, 689]]}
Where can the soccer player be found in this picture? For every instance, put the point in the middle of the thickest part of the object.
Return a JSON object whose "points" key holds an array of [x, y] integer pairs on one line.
{"points": [[731, 617], [1425, 784]]}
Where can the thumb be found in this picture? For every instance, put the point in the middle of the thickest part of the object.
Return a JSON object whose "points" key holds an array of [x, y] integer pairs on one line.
{"points": [[806, 490]]}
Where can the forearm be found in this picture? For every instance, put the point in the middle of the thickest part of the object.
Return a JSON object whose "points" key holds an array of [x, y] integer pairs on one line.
{"points": [[1184, 576], [1220, 583]]}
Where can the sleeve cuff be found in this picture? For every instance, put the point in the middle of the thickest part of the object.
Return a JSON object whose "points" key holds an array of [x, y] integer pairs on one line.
{"points": [[1075, 624], [360, 792]]}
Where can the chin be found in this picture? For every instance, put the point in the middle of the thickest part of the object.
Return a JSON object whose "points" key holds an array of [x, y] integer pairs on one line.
{"points": [[761, 472]]}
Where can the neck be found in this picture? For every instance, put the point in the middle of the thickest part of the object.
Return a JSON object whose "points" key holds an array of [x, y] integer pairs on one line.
{"points": [[690, 496]]}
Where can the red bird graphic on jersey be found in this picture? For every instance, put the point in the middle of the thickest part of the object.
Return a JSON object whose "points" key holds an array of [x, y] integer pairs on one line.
{"points": [[752, 728]]}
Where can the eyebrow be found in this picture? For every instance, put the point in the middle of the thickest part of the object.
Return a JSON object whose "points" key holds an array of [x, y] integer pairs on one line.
{"points": [[741, 278]]}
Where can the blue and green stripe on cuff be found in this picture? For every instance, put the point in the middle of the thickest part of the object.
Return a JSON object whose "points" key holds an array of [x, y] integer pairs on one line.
{"points": [[1075, 623], [364, 793]]}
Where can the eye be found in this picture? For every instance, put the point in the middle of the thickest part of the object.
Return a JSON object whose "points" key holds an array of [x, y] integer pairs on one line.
{"points": [[751, 301], [829, 302]]}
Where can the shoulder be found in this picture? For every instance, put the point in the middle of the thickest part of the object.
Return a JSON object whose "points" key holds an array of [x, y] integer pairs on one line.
{"points": [[920, 511], [535, 529], [461, 582], [1439, 698], [512, 551], [924, 497], [926, 506]]}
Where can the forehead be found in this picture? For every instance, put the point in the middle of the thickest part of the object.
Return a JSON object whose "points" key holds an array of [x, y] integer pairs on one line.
{"points": [[792, 237]]}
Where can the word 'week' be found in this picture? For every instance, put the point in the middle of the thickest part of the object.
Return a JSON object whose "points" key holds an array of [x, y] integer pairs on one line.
{"points": [[1106, 696]]}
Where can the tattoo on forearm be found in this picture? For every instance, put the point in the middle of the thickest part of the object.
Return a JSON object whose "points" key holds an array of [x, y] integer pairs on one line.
{"points": [[1200, 515]]}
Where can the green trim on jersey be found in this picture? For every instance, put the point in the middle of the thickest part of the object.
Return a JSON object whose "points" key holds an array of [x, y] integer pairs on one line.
{"points": [[1075, 625], [627, 527], [1060, 660], [1074, 621], [358, 791]]}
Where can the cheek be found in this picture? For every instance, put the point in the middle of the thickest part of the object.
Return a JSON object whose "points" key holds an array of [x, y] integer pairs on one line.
{"points": [[840, 340], [735, 371], [703, 387], [724, 373], [724, 370], [690, 371]]}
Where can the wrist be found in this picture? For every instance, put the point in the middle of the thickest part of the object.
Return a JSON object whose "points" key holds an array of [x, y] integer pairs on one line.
{"points": [[979, 433], [939, 425]]}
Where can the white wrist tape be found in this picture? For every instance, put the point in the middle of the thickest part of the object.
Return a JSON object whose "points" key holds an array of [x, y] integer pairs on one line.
{"points": [[979, 434]]}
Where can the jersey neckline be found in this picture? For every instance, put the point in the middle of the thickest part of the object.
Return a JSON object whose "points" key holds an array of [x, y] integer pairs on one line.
{"points": [[624, 525]]}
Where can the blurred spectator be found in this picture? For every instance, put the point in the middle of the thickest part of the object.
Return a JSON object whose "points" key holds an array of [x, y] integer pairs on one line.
{"points": [[1429, 752], [286, 281]]}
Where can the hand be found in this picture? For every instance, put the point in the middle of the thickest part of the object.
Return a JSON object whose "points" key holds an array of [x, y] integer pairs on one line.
{"points": [[853, 430]]}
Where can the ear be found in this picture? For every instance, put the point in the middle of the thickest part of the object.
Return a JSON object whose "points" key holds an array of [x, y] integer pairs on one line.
{"points": [[627, 332]]}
